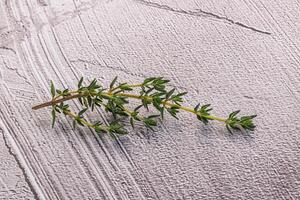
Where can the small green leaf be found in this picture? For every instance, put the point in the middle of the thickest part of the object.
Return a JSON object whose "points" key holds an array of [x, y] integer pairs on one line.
{"points": [[53, 116], [160, 88], [228, 128], [113, 82], [82, 111], [99, 129], [196, 107], [145, 103], [85, 102], [93, 105], [149, 122], [178, 97], [204, 110], [153, 116], [80, 100], [89, 99], [168, 95], [147, 80], [138, 107], [204, 107], [125, 87], [66, 91], [233, 114], [116, 127], [80, 82], [78, 120], [157, 106], [131, 122], [52, 89], [173, 111], [74, 124], [181, 94]]}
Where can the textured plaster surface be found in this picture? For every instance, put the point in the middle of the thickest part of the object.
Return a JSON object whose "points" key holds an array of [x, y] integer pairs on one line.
{"points": [[233, 54]]}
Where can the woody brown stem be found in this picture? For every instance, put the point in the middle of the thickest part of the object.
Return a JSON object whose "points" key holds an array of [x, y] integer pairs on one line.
{"points": [[51, 103]]}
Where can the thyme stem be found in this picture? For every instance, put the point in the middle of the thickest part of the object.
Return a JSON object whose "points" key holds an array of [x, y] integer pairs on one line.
{"points": [[73, 115], [85, 122], [152, 92], [54, 102], [171, 105]]}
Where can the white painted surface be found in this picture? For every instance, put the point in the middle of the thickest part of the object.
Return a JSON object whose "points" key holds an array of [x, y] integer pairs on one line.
{"points": [[220, 51]]}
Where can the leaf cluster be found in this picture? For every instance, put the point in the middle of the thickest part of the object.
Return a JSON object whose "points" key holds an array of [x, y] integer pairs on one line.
{"points": [[154, 91], [242, 123], [203, 112]]}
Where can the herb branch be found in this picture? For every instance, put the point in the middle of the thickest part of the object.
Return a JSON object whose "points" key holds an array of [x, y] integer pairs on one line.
{"points": [[115, 100]]}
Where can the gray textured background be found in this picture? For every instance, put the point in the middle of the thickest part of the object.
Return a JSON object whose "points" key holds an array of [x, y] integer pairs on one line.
{"points": [[221, 51]]}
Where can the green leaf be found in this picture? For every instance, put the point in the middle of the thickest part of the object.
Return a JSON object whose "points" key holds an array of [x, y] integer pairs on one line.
{"points": [[228, 128], [145, 103], [160, 88], [147, 80], [147, 92], [66, 91], [137, 108], [89, 99], [113, 82], [131, 122], [181, 94], [92, 84], [204, 107], [74, 124], [197, 107], [202, 119], [52, 89], [204, 110], [149, 123], [116, 127], [82, 111], [153, 116], [243, 123], [99, 129], [178, 97], [98, 101], [125, 87], [233, 114], [80, 100], [78, 120], [53, 116], [85, 102], [157, 106], [173, 111], [80, 82], [93, 105], [168, 95]]}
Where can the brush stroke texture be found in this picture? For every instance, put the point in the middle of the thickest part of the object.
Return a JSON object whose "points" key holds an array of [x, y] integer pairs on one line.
{"points": [[213, 55]]}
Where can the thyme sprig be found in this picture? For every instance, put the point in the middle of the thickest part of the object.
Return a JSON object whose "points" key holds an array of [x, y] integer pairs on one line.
{"points": [[153, 92]]}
